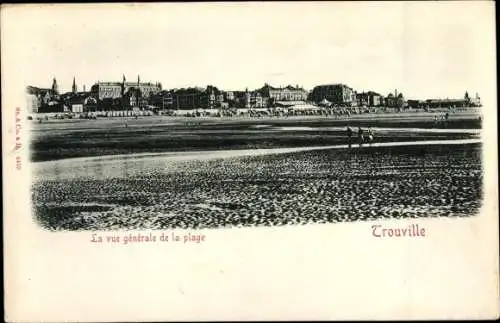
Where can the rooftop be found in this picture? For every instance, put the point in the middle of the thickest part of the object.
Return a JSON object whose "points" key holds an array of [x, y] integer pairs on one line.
{"points": [[333, 84], [36, 90], [126, 83], [288, 87]]}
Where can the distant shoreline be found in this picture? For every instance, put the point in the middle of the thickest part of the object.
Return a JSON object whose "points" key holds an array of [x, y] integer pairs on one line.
{"points": [[470, 114], [86, 138], [256, 113]]}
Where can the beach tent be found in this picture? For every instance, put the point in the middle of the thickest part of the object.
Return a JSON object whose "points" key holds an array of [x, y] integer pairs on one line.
{"points": [[289, 103], [325, 103], [305, 107]]}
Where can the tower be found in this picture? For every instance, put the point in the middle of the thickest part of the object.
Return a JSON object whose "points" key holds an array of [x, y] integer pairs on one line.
{"points": [[73, 87], [55, 88], [138, 80], [122, 90]]}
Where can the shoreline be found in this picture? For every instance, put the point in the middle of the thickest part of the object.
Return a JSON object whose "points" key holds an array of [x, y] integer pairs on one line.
{"points": [[88, 138], [471, 112], [318, 186], [209, 154]]}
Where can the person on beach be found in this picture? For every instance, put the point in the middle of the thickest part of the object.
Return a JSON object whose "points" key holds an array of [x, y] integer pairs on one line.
{"points": [[360, 136], [349, 136], [370, 135]]}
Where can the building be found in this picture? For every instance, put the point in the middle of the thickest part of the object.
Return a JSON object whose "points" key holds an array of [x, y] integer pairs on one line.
{"points": [[107, 90], [362, 99], [337, 94], [39, 98], [374, 99], [41, 92], [198, 98], [390, 100], [255, 100], [163, 100], [219, 100], [115, 90], [244, 99], [236, 99], [368, 99], [466, 101], [132, 98], [395, 100], [192, 98], [447, 103], [416, 104], [79, 101], [229, 96], [89, 104], [33, 104], [474, 102], [383, 101], [288, 93], [215, 97]]}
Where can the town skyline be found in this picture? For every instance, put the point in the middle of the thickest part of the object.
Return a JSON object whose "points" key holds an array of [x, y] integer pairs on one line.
{"points": [[87, 87], [379, 47]]}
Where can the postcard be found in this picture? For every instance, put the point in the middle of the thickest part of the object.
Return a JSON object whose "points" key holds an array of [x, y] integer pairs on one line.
{"points": [[250, 161]]}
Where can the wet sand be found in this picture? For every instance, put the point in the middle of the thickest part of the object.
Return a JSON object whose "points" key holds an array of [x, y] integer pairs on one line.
{"points": [[128, 164], [75, 140], [294, 187]]}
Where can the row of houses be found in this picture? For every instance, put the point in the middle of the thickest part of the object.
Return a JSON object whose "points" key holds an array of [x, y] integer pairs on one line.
{"points": [[345, 96], [105, 96], [130, 95], [211, 97], [466, 101]]}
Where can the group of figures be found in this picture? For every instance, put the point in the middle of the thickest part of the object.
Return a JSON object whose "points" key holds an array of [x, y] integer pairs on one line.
{"points": [[444, 117], [363, 136]]}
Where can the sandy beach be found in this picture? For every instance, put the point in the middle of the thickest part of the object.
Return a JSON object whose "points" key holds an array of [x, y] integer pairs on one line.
{"points": [[86, 138], [170, 172], [316, 186]]}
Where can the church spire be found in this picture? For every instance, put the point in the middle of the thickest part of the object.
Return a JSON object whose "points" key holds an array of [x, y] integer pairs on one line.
{"points": [[73, 87], [55, 88]]}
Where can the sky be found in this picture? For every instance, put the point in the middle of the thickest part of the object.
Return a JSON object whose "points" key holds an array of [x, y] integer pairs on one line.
{"points": [[433, 49]]}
